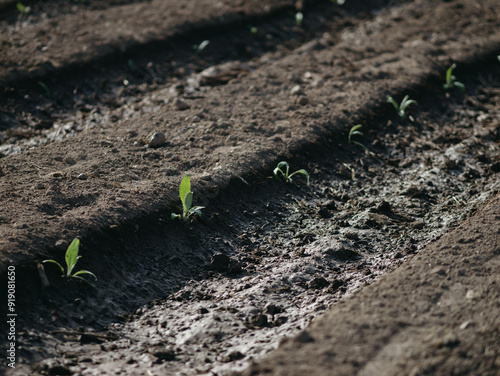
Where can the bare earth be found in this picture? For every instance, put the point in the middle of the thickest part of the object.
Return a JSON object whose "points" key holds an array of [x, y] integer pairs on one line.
{"points": [[386, 264]]}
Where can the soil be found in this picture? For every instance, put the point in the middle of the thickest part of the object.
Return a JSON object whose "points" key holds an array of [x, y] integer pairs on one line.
{"points": [[97, 135]]}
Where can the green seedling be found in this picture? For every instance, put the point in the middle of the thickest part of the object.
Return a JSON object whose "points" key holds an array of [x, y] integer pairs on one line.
{"points": [[46, 91], [401, 108], [22, 8], [355, 131], [451, 80], [299, 17], [200, 47], [253, 29], [71, 260], [279, 173], [187, 201]]}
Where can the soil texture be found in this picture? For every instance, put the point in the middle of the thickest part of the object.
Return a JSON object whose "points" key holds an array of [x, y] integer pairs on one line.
{"points": [[391, 250]]}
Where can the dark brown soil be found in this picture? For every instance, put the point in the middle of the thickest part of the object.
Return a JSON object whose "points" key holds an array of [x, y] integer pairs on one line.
{"points": [[217, 293]]}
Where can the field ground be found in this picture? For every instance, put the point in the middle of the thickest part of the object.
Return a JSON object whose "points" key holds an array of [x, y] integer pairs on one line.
{"points": [[386, 263]]}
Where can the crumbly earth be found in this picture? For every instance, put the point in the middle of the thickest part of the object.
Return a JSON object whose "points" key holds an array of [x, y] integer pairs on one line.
{"points": [[97, 135]]}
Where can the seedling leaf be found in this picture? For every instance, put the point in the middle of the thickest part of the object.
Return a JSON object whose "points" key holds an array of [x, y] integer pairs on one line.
{"points": [[55, 262], [401, 108], [71, 259], [285, 174], [188, 201], [185, 187], [355, 132], [303, 172], [72, 256], [85, 272], [451, 79], [186, 197]]}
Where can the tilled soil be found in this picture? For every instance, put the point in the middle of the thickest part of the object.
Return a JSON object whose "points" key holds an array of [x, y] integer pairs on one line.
{"points": [[267, 257]]}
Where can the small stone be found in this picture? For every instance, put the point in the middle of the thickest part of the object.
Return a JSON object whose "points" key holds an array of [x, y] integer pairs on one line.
{"points": [[180, 105], [69, 160], [471, 295], [196, 119], [258, 320], [61, 245], [57, 174], [330, 205], [273, 309], [324, 213], [303, 337], [318, 283], [438, 270], [107, 143], [121, 201], [82, 176], [450, 341], [296, 90], [384, 207], [235, 355], [59, 370], [220, 262], [156, 140], [303, 100]]}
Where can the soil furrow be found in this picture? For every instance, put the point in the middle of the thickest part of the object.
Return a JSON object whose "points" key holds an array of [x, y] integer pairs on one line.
{"points": [[33, 107], [287, 252], [210, 148], [267, 256]]}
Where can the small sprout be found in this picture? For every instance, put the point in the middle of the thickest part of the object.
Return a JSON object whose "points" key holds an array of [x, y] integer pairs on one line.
{"points": [[186, 197], [200, 47], [338, 2], [450, 80], [254, 30], [401, 108], [356, 132], [46, 91], [278, 171], [132, 65], [22, 8], [299, 17], [71, 260]]}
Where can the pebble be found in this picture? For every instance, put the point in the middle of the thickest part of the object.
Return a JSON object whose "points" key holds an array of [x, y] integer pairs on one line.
{"points": [[303, 100], [180, 105], [296, 90], [303, 337], [220, 262], [61, 245], [59, 370], [82, 176], [69, 160], [156, 140]]}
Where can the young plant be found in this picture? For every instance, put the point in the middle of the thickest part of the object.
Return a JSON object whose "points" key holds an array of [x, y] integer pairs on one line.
{"points": [[299, 17], [451, 80], [198, 48], [401, 108], [46, 91], [71, 260], [285, 174], [187, 201], [22, 8], [355, 131]]}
